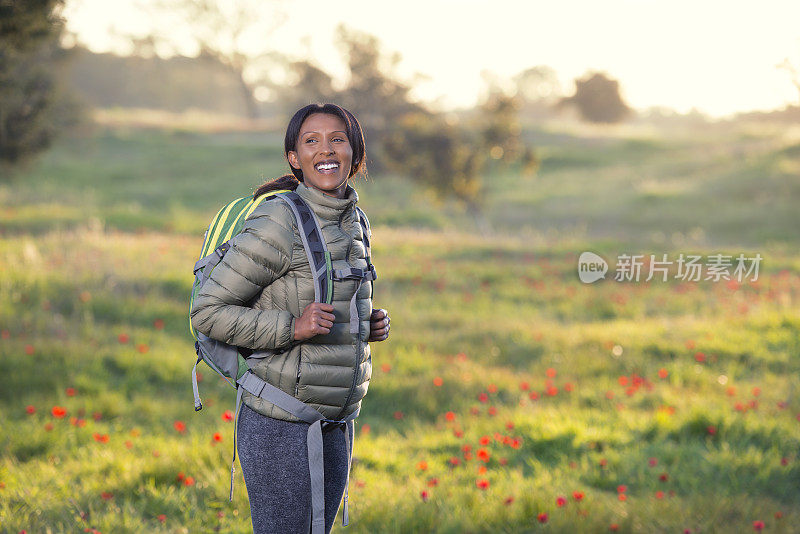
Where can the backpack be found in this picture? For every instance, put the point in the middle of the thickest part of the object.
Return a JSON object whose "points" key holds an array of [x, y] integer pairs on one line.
{"points": [[232, 365]]}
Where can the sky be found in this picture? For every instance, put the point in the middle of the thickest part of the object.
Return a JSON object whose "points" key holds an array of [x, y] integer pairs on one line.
{"points": [[718, 57]]}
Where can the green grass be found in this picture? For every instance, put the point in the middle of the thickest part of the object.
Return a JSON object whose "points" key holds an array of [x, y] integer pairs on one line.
{"points": [[601, 385]]}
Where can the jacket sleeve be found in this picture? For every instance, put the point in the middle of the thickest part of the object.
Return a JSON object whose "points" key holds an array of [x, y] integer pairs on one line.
{"points": [[258, 255]]}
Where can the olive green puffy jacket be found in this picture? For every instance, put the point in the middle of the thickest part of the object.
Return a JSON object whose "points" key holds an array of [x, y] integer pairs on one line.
{"points": [[261, 287]]}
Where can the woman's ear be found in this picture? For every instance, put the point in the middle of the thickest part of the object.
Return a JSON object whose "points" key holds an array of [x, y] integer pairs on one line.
{"points": [[292, 157]]}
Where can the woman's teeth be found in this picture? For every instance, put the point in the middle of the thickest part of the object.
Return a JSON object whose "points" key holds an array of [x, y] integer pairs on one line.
{"points": [[327, 166]]}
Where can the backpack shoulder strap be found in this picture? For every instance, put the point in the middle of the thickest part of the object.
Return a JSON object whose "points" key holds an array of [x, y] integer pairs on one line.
{"points": [[319, 258]]}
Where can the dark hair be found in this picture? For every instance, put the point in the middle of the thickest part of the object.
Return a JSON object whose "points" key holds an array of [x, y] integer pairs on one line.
{"points": [[354, 135]]}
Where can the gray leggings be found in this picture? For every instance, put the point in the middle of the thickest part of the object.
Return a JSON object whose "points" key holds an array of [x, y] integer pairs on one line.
{"points": [[274, 460]]}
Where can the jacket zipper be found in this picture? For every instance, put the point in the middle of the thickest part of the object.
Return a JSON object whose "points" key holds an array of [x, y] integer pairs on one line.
{"points": [[297, 384], [358, 339]]}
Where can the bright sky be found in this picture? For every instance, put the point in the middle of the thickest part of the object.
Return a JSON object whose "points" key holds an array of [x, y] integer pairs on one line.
{"points": [[718, 56]]}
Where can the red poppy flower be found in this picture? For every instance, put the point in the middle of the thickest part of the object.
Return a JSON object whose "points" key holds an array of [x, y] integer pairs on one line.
{"points": [[700, 357], [524, 386], [188, 481], [143, 348], [508, 500], [123, 338], [552, 391], [29, 350], [551, 373], [365, 429], [603, 462], [663, 477], [158, 324], [516, 443], [398, 414], [58, 412], [622, 497], [485, 440], [433, 482], [180, 426], [533, 395], [422, 466], [503, 460], [663, 373], [458, 432], [510, 425], [623, 381], [652, 462], [711, 430], [129, 444], [48, 426], [227, 416], [106, 495], [622, 488], [482, 483], [568, 387], [483, 455], [578, 496], [454, 461], [561, 501], [474, 410], [100, 438], [659, 494], [758, 525], [482, 470], [424, 495], [97, 416], [784, 461], [386, 367], [450, 416], [162, 518], [492, 410], [217, 437], [437, 381], [466, 447], [483, 397], [542, 517], [70, 392], [492, 388], [613, 527], [180, 476], [30, 410]]}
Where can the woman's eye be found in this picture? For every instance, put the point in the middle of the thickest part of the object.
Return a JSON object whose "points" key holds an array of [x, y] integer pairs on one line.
{"points": [[310, 140]]}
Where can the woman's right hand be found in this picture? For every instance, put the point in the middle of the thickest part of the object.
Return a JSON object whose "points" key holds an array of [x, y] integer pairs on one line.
{"points": [[317, 319]]}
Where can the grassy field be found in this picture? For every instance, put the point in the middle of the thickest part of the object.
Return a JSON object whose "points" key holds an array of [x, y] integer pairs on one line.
{"points": [[511, 397]]}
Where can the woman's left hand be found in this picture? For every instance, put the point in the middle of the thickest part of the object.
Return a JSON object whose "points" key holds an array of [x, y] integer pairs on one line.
{"points": [[378, 325]]}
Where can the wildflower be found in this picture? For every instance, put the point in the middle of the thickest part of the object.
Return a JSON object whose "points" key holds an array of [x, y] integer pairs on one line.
{"points": [[180, 476], [106, 495], [561, 501], [365, 429], [129, 444], [510, 425], [622, 488], [758, 525], [659, 494], [422, 466], [398, 414], [568, 387], [454, 461], [162, 518], [482, 483], [188, 481], [424, 495], [663, 477], [663, 373], [552, 391], [577, 495], [432, 482], [180, 426], [711, 430], [492, 410], [123, 338], [485, 440], [142, 348], [70, 392], [483, 455], [474, 410], [623, 381], [533, 395], [524, 386], [508, 500], [217, 437], [482, 470], [551, 373], [542, 517], [503, 460], [227, 416], [450, 416], [437, 381], [483, 397], [492, 388], [386, 367], [622, 497], [458, 432], [652, 462], [158, 324], [29, 350], [100, 438], [613, 527], [30, 410], [48, 426]]}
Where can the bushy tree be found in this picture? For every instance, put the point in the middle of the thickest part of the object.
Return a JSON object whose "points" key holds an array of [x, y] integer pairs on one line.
{"points": [[33, 109], [598, 99]]}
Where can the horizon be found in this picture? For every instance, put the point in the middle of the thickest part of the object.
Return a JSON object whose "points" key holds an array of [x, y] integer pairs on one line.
{"points": [[455, 66]]}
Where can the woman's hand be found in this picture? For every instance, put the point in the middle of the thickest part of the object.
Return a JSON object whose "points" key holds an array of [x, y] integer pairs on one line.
{"points": [[378, 325], [317, 319]]}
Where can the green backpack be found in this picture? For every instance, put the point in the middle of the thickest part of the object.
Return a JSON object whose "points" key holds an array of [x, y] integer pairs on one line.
{"points": [[229, 362]]}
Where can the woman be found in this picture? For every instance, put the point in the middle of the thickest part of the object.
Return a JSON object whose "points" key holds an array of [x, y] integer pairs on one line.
{"points": [[261, 297]]}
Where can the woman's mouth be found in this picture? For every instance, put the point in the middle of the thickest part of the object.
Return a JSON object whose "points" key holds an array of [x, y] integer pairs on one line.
{"points": [[327, 167]]}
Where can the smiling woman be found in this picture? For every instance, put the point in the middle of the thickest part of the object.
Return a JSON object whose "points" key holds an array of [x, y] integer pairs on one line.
{"points": [[261, 298]]}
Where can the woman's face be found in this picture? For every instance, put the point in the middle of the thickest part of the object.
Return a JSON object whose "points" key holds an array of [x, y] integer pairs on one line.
{"points": [[323, 153]]}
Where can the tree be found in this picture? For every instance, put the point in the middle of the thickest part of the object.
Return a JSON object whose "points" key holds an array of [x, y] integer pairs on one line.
{"points": [[598, 99], [33, 109], [227, 32]]}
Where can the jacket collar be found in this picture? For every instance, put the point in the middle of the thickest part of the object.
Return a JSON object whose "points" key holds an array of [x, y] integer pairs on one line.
{"points": [[326, 206]]}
